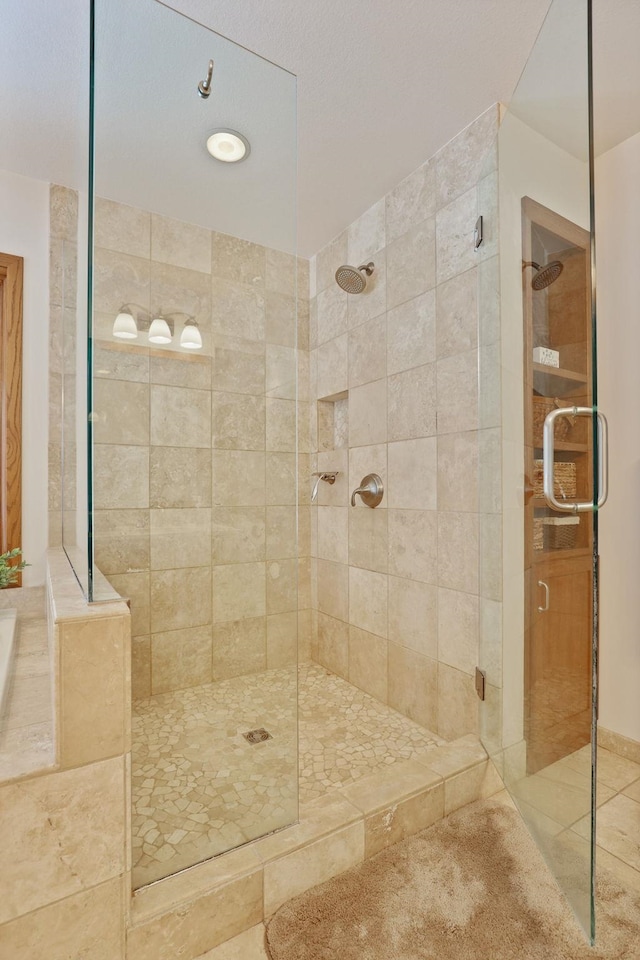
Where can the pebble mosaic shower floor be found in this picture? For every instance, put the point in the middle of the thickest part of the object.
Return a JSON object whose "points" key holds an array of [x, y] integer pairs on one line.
{"points": [[199, 788]]}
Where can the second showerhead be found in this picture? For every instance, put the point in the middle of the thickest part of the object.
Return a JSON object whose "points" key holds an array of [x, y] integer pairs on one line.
{"points": [[546, 275], [354, 279]]}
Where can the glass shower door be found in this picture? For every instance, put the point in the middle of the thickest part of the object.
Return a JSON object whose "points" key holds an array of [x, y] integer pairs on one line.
{"points": [[540, 467], [193, 424]]}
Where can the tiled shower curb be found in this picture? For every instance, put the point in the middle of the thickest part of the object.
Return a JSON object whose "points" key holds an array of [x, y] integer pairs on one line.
{"points": [[190, 913]]}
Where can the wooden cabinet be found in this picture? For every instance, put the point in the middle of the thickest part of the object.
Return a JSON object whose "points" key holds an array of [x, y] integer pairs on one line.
{"points": [[558, 556]]}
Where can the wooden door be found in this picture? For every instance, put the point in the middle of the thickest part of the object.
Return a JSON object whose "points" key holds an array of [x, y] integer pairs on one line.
{"points": [[11, 270]]}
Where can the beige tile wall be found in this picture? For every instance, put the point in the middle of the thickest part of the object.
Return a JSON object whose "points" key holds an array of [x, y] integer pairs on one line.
{"points": [[65, 880], [396, 589], [195, 457]]}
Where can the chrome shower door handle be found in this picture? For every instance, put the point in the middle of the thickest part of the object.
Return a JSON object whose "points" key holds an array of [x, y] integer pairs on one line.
{"points": [[545, 587], [548, 460]]}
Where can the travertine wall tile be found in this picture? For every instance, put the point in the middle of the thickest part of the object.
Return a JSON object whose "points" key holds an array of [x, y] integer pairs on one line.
{"points": [[368, 414], [458, 629], [374, 303], [62, 833], [368, 352], [457, 314], [369, 539], [281, 578], [413, 544], [333, 255], [238, 421], [457, 703], [120, 476], [87, 924], [333, 589], [413, 615], [168, 466], [368, 600], [331, 306], [180, 538], [366, 234], [412, 201], [240, 647], [457, 385], [454, 235], [241, 261], [181, 244], [121, 412], [122, 228], [333, 644], [92, 689], [413, 474], [411, 264], [180, 598], [180, 417], [239, 591], [413, 682], [411, 403], [180, 658], [368, 662], [458, 479]]}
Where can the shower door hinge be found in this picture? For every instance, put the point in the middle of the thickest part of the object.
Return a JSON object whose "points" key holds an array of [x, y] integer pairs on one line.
{"points": [[481, 679], [478, 234]]}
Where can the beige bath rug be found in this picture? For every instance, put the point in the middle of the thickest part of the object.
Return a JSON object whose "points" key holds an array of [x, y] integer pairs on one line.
{"points": [[473, 887]]}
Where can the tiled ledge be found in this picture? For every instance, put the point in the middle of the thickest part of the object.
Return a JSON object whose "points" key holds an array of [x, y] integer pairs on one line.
{"points": [[65, 594], [91, 652], [196, 910]]}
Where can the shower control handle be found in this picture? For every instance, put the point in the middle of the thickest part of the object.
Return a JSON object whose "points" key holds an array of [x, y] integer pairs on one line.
{"points": [[370, 491]]}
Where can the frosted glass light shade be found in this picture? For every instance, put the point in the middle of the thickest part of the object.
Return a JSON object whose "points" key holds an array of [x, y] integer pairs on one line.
{"points": [[159, 331], [190, 337], [228, 146], [124, 327]]}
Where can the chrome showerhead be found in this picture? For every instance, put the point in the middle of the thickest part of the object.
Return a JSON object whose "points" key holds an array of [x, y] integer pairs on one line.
{"points": [[352, 279], [545, 276]]}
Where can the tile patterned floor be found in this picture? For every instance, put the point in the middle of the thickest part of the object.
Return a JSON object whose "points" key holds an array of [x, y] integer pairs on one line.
{"points": [[556, 803], [199, 788], [618, 830], [26, 727]]}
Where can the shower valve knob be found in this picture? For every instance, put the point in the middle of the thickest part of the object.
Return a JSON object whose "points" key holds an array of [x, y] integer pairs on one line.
{"points": [[371, 491]]}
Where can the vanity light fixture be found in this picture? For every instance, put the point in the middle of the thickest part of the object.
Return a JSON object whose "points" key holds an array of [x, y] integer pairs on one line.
{"points": [[159, 331], [228, 146], [160, 327], [190, 337], [125, 326]]}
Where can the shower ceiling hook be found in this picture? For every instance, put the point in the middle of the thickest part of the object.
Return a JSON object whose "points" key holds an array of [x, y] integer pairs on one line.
{"points": [[204, 87]]}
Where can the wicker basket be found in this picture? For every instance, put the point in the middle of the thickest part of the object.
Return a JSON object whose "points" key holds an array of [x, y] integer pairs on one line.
{"points": [[560, 533], [538, 533], [565, 484], [543, 406]]}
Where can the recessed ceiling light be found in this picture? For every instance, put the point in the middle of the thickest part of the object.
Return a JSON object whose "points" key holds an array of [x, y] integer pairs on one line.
{"points": [[228, 146]]}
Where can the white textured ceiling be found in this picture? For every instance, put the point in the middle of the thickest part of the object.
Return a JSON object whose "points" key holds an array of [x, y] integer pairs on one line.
{"points": [[382, 85]]}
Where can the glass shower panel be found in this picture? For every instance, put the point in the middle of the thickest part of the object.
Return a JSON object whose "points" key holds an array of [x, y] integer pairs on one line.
{"points": [[536, 552], [193, 510]]}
